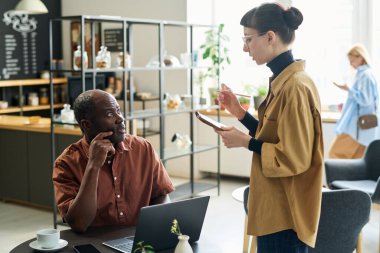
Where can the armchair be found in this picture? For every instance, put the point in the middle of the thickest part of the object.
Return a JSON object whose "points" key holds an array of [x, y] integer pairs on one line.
{"points": [[360, 174]]}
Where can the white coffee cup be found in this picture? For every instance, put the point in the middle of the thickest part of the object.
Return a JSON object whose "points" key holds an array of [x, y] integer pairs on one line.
{"points": [[48, 238]]}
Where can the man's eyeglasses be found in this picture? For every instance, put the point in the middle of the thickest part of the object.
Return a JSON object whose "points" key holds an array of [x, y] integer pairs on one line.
{"points": [[247, 39]]}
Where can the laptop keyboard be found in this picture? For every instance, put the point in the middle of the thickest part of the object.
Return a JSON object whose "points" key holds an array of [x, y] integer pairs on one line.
{"points": [[125, 247], [122, 244]]}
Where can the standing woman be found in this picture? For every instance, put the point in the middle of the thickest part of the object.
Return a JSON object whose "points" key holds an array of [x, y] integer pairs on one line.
{"points": [[286, 141], [362, 99]]}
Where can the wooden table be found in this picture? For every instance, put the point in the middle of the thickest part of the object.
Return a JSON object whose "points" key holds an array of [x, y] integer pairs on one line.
{"points": [[96, 236]]}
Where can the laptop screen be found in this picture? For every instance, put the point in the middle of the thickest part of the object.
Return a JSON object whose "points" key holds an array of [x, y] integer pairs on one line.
{"points": [[154, 224]]}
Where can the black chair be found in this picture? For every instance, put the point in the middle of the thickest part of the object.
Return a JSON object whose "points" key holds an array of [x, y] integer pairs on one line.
{"points": [[343, 215], [360, 174]]}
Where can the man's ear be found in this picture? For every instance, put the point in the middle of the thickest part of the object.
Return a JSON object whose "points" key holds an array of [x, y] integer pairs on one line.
{"points": [[85, 125]]}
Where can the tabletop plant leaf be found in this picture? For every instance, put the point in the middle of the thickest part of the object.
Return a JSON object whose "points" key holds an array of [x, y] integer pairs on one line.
{"points": [[141, 248]]}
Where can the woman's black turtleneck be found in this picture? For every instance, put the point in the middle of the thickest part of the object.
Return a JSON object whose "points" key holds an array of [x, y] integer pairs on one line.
{"points": [[280, 62], [277, 65]]}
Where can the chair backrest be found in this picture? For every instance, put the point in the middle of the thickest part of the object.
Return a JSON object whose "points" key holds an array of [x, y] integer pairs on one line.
{"points": [[343, 215], [372, 160], [245, 197]]}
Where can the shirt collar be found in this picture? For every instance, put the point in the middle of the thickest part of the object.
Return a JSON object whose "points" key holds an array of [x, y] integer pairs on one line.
{"points": [[277, 83], [362, 67]]}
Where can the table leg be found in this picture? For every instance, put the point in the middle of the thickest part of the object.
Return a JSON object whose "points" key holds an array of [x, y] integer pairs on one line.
{"points": [[253, 244], [248, 239], [246, 236]]}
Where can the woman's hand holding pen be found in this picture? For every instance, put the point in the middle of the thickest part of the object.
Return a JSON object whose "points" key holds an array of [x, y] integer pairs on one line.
{"points": [[229, 100], [234, 138]]}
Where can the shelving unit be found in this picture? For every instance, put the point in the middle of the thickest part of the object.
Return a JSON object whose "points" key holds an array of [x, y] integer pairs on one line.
{"points": [[22, 107], [28, 108], [161, 112]]}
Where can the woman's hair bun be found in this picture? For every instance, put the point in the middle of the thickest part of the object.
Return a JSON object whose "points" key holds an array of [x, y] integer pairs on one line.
{"points": [[293, 18]]}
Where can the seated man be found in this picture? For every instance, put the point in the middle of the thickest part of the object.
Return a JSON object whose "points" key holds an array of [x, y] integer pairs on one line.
{"points": [[107, 176]]}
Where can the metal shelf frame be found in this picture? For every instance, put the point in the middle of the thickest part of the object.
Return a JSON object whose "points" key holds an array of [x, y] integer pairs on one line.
{"points": [[130, 114]]}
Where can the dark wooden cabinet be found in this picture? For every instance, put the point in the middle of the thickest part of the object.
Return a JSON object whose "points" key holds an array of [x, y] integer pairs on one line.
{"points": [[63, 141], [26, 167], [14, 174], [40, 171]]}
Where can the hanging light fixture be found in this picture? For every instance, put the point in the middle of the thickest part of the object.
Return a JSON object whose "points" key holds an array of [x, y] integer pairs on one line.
{"points": [[31, 7]]}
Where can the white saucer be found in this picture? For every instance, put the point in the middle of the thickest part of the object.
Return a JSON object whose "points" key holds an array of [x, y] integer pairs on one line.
{"points": [[34, 245]]}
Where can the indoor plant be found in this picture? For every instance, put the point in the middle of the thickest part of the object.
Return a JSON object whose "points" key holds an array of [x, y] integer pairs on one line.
{"points": [[244, 102], [216, 51], [247, 90]]}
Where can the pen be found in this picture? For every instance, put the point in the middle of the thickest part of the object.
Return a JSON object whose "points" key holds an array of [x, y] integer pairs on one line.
{"points": [[238, 94]]}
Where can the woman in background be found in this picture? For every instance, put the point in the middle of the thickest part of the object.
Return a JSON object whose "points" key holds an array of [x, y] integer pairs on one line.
{"points": [[362, 99], [286, 141]]}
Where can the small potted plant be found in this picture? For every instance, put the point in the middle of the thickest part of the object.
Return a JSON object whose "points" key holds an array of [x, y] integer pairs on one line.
{"points": [[141, 248], [244, 102], [216, 51], [183, 245], [247, 90]]}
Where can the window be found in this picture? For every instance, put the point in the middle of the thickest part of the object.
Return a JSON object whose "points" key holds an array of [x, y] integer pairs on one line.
{"points": [[328, 31], [376, 40], [242, 69], [323, 40]]}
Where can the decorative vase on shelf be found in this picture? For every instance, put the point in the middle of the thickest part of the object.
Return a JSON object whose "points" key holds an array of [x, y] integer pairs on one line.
{"points": [[183, 245]]}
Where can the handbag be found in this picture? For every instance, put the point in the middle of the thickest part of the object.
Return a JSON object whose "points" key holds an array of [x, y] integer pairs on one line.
{"points": [[367, 121]]}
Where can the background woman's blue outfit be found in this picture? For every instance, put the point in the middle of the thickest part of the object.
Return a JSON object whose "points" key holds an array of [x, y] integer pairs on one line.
{"points": [[362, 96]]}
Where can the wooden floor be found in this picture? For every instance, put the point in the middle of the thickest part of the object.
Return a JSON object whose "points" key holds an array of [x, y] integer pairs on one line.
{"points": [[224, 222]]}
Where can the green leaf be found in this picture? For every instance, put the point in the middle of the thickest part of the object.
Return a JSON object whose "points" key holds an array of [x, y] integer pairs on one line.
{"points": [[207, 52], [215, 50]]}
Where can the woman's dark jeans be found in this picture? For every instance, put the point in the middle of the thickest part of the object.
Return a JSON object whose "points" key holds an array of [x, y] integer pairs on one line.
{"points": [[281, 242]]}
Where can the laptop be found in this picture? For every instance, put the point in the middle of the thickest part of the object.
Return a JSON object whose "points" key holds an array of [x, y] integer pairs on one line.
{"points": [[154, 225]]}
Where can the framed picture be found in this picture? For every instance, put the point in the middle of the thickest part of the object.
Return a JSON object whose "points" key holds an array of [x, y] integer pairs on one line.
{"points": [[76, 38]]}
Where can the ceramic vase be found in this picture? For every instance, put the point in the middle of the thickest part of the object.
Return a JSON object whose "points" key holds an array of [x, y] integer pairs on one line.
{"points": [[183, 245]]}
